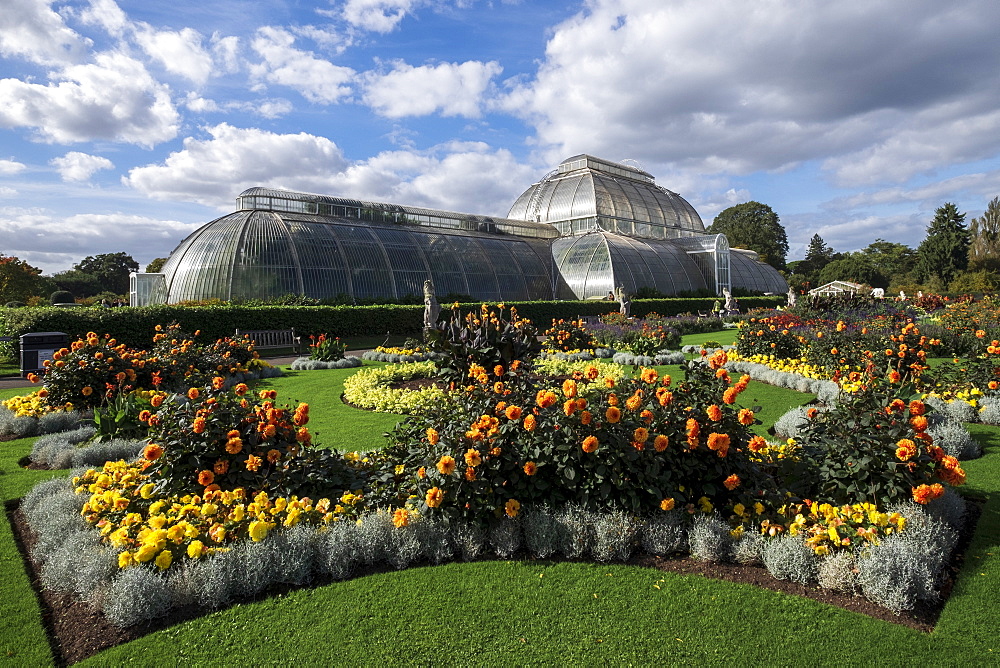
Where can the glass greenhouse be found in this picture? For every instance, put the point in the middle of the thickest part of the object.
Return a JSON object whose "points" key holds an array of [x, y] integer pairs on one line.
{"points": [[586, 228]]}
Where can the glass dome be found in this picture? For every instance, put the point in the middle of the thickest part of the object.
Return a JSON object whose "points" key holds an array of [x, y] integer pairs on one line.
{"points": [[586, 193]]}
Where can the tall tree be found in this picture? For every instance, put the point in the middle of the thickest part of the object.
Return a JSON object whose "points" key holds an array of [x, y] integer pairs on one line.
{"points": [[156, 265], [890, 258], [984, 249], [754, 226], [945, 250], [854, 267], [111, 270], [818, 255], [18, 280]]}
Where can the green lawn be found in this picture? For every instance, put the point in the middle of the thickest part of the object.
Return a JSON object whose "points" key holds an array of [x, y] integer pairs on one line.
{"points": [[526, 612]]}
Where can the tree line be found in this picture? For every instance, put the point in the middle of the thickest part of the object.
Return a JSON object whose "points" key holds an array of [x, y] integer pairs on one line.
{"points": [[952, 258], [102, 277]]}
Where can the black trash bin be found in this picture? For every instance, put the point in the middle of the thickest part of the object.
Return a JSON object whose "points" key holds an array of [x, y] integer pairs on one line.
{"points": [[38, 347]]}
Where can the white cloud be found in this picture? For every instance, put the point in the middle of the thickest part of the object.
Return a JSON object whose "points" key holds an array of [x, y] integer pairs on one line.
{"points": [[7, 192], [54, 243], [456, 89], [214, 171], [460, 176], [731, 86], [315, 79], [76, 166], [30, 29], [180, 52], [113, 98], [105, 14], [8, 167], [380, 16], [226, 52]]}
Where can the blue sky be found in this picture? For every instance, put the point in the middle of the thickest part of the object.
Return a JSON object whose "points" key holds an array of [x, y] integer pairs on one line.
{"points": [[126, 125]]}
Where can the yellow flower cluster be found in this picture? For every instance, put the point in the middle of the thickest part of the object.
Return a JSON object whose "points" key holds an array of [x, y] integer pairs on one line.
{"points": [[34, 405], [396, 350], [557, 367], [124, 506], [798, 365], [829, 527]]}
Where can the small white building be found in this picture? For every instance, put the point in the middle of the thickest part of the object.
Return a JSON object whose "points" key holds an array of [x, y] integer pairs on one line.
{"points": [[838, 288]]}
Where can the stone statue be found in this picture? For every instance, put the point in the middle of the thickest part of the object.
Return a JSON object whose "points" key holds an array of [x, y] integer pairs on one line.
{"points": [[878, 293], [729, 300], [791, 297], [624, 300], [431, 307]]}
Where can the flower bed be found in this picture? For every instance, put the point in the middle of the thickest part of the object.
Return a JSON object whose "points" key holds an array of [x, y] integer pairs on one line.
{"points": [[589, 465], [369, 388]]}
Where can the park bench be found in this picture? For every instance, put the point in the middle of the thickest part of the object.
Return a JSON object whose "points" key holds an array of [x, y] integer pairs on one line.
{"points": [[272, 338]]}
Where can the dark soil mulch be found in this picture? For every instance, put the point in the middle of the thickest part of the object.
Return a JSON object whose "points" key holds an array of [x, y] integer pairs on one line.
{"points": [[77, 630]]}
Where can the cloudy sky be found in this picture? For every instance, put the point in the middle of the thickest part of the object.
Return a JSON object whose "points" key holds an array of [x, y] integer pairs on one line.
{"points": [[126, 125]]}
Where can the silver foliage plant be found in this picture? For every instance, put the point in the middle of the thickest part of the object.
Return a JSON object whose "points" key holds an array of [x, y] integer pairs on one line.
{"points": [[25, 425], [953, 437], [898, 573], [72, 449], [826, 391], [709, 538], [349, 362], [663, 533], [787, 557]]}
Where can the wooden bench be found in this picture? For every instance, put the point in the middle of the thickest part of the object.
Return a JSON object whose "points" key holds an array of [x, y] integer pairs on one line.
{"points": [[271, 338]]}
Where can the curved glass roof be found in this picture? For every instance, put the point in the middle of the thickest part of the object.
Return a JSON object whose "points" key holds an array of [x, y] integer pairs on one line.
{"points": [[259, 254], [594, 264], [748, 272], [586, 193], [271, 199]]}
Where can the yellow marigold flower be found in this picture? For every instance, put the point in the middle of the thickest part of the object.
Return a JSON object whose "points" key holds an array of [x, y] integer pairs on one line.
{"points": [[146, 491], [193, 393], [613, 415], [446, 465], [660, 443], [512, 507], [746, 416], [472, 457], [640, 434], [125, 559], [258, 530], [667, 504], [513, 412], [253, 462], [569, 388], [633, 402], [590, 444], [196, 549], [530, 468], [145, 552], [434, 497], [714, 413], [732, 482], [530, 423], [400, 517]]}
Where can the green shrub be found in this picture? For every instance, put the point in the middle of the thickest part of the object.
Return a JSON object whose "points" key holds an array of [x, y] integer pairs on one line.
{"points": [[61, 297]]}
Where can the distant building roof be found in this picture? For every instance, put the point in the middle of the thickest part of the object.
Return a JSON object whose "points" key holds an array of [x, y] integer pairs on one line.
{"points": [[837, 288]]}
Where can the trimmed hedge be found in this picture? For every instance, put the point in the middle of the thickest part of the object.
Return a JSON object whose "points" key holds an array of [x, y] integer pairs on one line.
{"points": [[135, 326]]}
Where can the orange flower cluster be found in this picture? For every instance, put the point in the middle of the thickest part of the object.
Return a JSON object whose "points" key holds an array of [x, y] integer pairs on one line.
{"points": [[924, 494]]}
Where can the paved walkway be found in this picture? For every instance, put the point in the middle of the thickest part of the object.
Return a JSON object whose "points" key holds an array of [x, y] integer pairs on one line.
{"points": [[8, 382]]}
